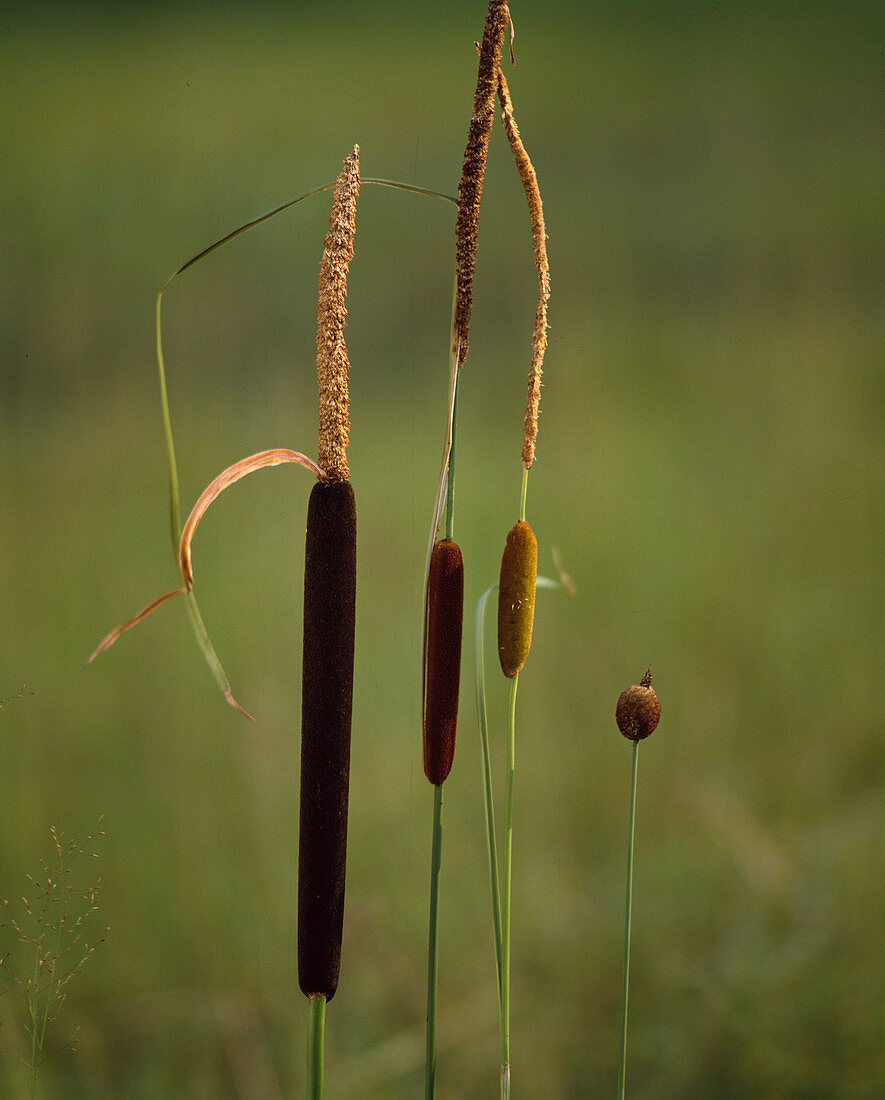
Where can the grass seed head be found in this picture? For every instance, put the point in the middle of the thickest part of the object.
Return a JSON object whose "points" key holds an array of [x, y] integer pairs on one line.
{"points": [[639, 710]]}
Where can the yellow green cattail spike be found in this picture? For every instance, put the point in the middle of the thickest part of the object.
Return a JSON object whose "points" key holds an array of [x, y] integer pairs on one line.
{"points": [[516, 598]]}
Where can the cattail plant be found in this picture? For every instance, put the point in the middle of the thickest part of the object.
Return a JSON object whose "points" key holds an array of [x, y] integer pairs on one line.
{"points": [[637, 715], [329, 619], [516, 593], [329, 616], [444, 574]]}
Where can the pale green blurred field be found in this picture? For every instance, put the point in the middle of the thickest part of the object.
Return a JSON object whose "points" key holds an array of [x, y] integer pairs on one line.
{"points": [[710, 466]]}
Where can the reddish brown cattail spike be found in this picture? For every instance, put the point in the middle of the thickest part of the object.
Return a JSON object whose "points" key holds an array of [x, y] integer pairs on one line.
{"points": [[445, 612], [327, 694], [639, 710], [516, 598]]}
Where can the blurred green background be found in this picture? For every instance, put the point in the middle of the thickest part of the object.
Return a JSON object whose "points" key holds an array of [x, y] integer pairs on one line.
{"points": [[710, 468]]}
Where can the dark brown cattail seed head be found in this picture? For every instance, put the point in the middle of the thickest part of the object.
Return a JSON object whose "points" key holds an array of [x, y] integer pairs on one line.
{"points": [[516, 598], [327, 695], [442, 676], [639, 710]]}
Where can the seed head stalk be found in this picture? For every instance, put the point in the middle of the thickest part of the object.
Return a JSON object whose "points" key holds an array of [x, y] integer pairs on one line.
{"points": [[433, 946], [628, 920], [637, 715], [316, 1026]]}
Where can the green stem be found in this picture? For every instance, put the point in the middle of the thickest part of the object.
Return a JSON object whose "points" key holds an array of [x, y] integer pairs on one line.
{"points": [[483, 722], [450, 489], [433, 945], [523, 491], [174, 505], [34, 1056], [316, 1027], [506, 890], [631, 831]]}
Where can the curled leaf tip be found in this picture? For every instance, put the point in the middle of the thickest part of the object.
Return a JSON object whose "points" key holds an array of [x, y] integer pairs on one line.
{"points": [[109, 639], [228, 695]]}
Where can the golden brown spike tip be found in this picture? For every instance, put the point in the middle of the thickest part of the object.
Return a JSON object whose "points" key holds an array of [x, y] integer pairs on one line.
{"points": [[332, 362], [539, 246]]}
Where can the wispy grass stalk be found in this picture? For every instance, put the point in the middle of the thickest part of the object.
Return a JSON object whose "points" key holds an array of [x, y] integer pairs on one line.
{"points": [[50, 933]]}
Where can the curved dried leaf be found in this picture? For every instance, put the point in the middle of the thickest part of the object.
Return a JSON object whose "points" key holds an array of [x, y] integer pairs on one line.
{"points": [[275, 457]]}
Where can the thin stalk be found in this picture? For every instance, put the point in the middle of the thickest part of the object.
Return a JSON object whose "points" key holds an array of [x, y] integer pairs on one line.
{"points": [[523, 491], [35, 1050], [506, 890], [482, 719], [433, 945], [441, 490], [631, 830], [450, 490], [316, 1026]]}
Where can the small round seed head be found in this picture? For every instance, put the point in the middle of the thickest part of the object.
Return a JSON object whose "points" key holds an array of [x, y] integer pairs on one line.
{"points": [[639, 710]]}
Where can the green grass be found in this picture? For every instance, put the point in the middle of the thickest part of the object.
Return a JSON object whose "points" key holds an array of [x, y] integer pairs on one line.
{"points": [[710, 466]]}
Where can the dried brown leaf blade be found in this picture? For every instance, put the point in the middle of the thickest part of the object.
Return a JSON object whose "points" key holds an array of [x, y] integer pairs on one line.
{"points": [[275, 457], [110, 638]]}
